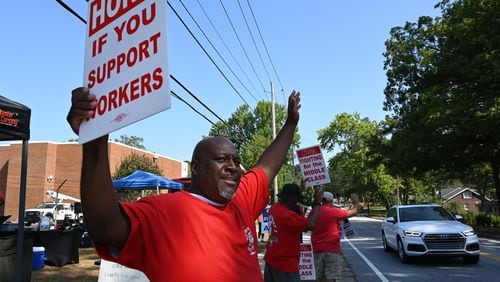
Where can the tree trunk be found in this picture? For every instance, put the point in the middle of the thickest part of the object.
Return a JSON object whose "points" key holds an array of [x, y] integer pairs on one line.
{"points": [[495, 165]]}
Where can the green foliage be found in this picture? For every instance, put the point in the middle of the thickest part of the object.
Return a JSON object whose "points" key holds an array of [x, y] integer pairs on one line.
{"points": [[443, 81], [358, 167], [495, 220], [129, 165], [470, 218], [483, 219], [453, 207], [132, 141]]}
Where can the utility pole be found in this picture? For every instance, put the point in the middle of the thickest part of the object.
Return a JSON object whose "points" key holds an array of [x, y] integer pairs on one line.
{"points": [[274, 137], [57, 191]]}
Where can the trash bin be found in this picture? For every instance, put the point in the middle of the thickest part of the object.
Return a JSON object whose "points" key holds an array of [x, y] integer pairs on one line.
{"points": [[38, 257]]}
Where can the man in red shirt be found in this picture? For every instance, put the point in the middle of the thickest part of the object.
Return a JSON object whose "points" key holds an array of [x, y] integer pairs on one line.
{"points": [[325, 238], [286, 226], [206, 233]]}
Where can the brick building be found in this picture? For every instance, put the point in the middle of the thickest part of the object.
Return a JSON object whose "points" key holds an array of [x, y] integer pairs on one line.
{"points": [[52, 164], [466, 198]]}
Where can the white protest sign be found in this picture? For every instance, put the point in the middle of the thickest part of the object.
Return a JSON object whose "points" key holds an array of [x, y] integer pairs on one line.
{"points": [[265, 221], [347, 230], [306, 263], [114, 272], [125, 63], [312, 165]]}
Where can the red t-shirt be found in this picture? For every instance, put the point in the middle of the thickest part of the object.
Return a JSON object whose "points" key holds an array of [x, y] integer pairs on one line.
{"points": [[283, 247], [179, 237], [326, 235]]}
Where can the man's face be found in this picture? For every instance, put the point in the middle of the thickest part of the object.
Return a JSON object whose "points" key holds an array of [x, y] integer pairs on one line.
{"points": [[217, 170]]}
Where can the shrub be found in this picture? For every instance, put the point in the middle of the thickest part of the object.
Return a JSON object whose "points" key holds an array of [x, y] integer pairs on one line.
{"points": [[495, 220], [483, 219], [453, 208], [470, 218]]}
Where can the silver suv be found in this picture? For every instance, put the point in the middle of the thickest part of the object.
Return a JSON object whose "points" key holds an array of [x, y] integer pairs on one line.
{"points": [[428, 230]]}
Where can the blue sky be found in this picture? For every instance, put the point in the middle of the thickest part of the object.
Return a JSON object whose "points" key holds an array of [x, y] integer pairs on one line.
{"points": [[329, 50]]}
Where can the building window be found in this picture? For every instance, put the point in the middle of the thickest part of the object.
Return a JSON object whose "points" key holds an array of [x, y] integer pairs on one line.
{"points": [[467, 194], [466, 207]]}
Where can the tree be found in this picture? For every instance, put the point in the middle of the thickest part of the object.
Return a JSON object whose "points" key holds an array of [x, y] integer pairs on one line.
{"points": [[133, 141], [444, 89], [357, 167], [129, 165], [252, 132]]}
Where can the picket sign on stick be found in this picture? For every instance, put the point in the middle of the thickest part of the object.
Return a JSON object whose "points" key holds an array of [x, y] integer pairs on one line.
{"points": [[125, 63], [312, 165]]}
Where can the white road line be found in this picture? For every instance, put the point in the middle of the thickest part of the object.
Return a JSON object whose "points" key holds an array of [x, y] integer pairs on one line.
{"points": [[370, 264]]}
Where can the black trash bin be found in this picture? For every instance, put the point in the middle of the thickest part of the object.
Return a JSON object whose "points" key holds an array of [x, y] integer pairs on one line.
{"points": [[8, 251]]}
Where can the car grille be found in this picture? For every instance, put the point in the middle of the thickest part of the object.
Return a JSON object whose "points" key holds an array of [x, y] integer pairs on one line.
{"points": [[444, 241]]}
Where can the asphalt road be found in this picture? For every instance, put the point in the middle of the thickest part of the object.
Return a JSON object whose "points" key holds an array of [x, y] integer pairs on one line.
{"points": [[369, 262]]}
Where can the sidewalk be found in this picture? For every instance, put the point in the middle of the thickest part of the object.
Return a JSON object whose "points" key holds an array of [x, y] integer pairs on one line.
{"points": [[347, 275]]}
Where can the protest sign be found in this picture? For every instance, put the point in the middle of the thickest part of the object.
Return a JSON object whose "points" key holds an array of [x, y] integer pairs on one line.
{"points": [[125, 63], [114, 272], [265, 221], [312, 165], [306, 263]]}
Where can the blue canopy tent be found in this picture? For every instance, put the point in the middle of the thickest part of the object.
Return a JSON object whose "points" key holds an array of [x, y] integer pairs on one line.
{"points": [[141, 180]]}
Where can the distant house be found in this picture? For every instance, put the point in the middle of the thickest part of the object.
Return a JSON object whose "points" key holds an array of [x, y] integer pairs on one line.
{"points": [[491, 207], [467, 199]]}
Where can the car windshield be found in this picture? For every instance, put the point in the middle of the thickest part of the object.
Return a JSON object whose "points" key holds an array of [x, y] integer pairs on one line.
{"points": [[424, 213], [46, 206]]}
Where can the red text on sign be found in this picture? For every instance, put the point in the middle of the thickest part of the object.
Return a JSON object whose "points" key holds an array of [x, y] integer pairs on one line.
{"points": [[104, 12], [132, 24], [144, 50], [129, 92]]}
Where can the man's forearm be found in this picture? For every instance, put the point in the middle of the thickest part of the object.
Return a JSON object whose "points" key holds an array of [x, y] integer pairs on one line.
{"points": [[100, 207], [273, 157], [313, 217]]}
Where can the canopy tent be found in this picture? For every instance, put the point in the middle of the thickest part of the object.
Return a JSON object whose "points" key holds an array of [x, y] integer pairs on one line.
{"points": [[15, 125], [141, 180]]}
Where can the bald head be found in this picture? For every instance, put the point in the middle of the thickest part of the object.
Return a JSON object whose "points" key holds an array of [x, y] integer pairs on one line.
{"points": [[215, 169], [207, 144]]}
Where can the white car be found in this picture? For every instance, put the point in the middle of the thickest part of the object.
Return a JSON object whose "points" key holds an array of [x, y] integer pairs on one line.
{"points": [[428, 230]]}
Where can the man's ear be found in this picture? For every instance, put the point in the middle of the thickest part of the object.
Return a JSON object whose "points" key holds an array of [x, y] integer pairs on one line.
{"points": [[194, 166]]}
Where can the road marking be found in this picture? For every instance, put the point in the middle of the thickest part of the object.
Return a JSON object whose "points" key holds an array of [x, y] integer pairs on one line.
{"points": [[488, 255], [370, 264]]}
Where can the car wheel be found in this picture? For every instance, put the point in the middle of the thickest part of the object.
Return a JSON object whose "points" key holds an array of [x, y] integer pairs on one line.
{"points": [[471, 259], [403, 257], [384, 243]]}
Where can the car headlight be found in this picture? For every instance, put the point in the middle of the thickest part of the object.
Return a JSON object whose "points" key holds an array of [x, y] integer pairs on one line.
{"points": [[410, 233], [469, 232]]}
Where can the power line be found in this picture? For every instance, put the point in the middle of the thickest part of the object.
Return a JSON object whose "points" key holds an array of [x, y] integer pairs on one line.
{"points": [[171, 76], [227, 48], [192, 108], [206, 53], [265, 47], [190, 93], [253, 40], [71, 10], [211, 44], [241, 44]]}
